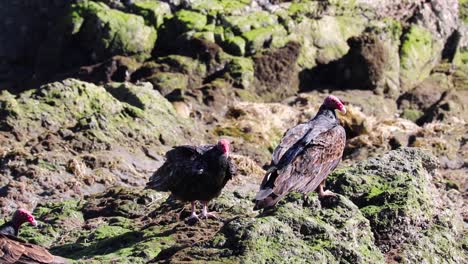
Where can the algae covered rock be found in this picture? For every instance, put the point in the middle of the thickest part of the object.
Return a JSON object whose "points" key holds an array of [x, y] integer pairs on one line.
{"points": [[418, 55], [396, 194], [106, 32], [76, 138]]}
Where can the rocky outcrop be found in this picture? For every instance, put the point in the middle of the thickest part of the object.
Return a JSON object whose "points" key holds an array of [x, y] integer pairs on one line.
{"points": [[387, 210], [60, 140]]}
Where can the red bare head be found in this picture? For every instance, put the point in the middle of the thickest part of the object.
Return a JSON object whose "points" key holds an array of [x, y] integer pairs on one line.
{"points": [[332, 102], [22, 216], [224, 146]]}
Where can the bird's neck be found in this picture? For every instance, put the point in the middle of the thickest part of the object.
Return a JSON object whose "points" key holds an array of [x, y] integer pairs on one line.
{"points": [[326, 113]]}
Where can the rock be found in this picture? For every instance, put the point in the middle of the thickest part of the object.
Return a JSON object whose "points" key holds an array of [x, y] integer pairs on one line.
{"points": [[107, 126], [391, 198], [276, 72], [106, 32], [188, 20], [154, 12], [404, 209], [438, 16], [418, 55]]}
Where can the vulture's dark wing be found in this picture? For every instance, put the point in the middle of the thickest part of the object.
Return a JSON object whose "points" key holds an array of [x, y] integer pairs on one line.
{"points": [[291, 136], [181, 161], [297, 138], [13, 250], [307, 170]]}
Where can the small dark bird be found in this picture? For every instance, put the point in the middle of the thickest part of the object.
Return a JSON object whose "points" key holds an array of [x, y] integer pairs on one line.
{"points": [[15, 250], [195, 173], [305, 156], [12, 227]]}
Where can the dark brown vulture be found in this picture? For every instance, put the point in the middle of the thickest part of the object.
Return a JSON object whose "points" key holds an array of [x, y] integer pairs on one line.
{"points": [[12, 227], [15, 250], [305, 156], [195, 173]]}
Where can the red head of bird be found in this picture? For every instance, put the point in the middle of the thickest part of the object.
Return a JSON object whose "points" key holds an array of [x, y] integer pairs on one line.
{"points": [[332, 102], [224, 146], [22, 216]]}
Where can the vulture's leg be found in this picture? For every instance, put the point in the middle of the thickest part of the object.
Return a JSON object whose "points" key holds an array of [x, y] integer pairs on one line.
{"points": [[205, 214], [193, 215], [323, 193]]}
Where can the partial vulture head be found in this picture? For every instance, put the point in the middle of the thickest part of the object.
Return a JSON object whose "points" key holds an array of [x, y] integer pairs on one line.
{"points": [[332, 102], [22, 216], [224, 146]]}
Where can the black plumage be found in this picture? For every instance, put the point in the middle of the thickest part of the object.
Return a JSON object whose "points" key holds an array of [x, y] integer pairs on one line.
{"points": [[195, 173]]}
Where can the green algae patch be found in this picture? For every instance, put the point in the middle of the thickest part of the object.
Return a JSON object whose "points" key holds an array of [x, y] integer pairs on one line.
{"points": [[186, 20], [154, 12], [418, 55], [297, 230], [394, 192], [108, 32], [107, 112]]}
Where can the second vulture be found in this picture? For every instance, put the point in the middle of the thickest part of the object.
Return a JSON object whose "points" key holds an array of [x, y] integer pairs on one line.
{"points": [[305, 156], [15, 250], [195, 173]]}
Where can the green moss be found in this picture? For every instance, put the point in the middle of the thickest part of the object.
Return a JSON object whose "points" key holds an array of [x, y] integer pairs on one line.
{"points": [[241, 71], [264, 37], [463, 10], [417, 55], [234, 45], [110, 32], [166, 82], [219, 6], [391, 191], [206, 35], [412, 114], [189, 20], [233, 132], [154, 12]]}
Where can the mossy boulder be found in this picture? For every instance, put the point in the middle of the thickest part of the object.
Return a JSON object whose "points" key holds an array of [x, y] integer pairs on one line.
{"points": [[418, 55], [186, 20], [154, 12], [81, 135], [106, 32], [395, 192]]}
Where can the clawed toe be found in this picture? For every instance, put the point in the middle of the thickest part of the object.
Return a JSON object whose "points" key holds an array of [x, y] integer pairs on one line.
{"points": [[193, 218], [209, 215], [327, 193]]}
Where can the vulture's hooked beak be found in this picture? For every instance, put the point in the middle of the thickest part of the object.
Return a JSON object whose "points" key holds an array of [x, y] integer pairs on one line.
{"points": [[34, 223], [343, 110]]}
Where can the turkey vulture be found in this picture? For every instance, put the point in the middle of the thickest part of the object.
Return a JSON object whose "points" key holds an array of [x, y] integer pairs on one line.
{"points": [[305, 156], [195, 173], [15, 250], [12, 227]]}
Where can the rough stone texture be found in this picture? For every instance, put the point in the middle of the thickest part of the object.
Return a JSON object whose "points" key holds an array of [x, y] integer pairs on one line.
{"points": [[276, 72], [106, 32], [396, 194], [418, 55], [391, 198], [73, 138]]}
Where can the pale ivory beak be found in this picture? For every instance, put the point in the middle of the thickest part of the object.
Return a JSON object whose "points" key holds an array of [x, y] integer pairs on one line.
{"points": [[34, 223], [343, 110]]}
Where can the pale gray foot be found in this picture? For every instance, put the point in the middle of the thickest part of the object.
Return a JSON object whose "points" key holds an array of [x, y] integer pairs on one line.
{"points": [[205, 214], [327, 193], [193, 216]]}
